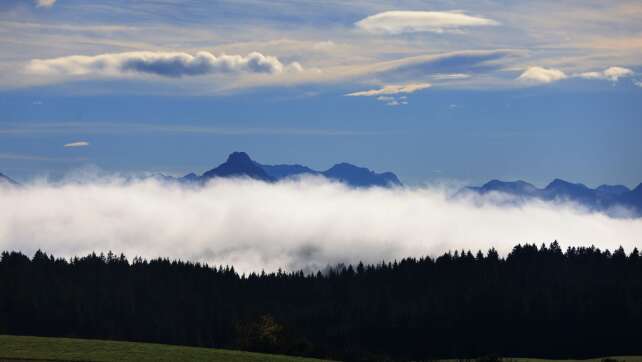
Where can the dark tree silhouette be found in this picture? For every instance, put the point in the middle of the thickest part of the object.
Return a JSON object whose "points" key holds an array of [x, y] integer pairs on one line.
{"points": [[535, 302]]}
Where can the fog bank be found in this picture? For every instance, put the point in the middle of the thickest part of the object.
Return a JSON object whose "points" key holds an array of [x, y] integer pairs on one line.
{"points": [[307, 223]]}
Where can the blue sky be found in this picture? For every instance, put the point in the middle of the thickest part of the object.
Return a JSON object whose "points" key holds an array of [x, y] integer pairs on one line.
{"points": [[460, 91]]}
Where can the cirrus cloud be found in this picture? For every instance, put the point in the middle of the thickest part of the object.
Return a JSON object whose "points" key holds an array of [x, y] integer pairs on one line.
{"points": [[165, 64], [398, 22], [391, 89], [77, 144]]}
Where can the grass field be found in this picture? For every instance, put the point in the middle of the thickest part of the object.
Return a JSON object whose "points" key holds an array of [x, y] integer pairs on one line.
{"points": [[68, 349]]}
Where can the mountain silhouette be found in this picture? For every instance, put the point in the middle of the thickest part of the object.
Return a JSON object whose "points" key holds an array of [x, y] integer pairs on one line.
{"points": [[601, 198], [7, 180], [360, 176], [614, 190], [520, 188], [633, 199], [238, 164], [346, 173], [563, 190]]}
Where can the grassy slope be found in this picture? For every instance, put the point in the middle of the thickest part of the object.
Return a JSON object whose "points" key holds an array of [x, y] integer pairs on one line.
{"points": [[68, 349]]}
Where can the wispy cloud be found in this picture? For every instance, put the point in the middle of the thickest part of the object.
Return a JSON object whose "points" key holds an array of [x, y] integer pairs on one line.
{"points": [[612, 73], [392, 95], [453, 76], [337, 43], [397, 22], [391, 89], [45, 3], [393, 101], [77, 144], [165, 64]]}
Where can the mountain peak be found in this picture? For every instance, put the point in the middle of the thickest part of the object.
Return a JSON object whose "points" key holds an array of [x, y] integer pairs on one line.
{"points": [[347, 166], [238, 164], [239, 157], [559, 183]]}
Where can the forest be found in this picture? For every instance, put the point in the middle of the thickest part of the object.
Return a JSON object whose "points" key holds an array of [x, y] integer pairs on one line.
{"points": [[534, 302]]}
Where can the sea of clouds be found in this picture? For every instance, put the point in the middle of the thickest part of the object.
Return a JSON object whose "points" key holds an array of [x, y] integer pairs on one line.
{"points": [[306, 224]]}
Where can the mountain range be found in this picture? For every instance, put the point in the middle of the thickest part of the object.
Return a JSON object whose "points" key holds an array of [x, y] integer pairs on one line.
{"points": [[239, 164], [602, 198]]}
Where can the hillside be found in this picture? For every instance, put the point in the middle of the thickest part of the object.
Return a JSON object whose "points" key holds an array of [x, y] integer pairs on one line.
{"points": [[69, 349]]}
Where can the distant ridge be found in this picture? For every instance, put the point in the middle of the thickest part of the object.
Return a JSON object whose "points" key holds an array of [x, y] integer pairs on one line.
{"points": [[239, 164], [360, 176], [601, 198], [4, 179], [343, 172]]}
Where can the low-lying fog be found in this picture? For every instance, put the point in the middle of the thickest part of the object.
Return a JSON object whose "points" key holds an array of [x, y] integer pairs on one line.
{"points": [[307, 223]]}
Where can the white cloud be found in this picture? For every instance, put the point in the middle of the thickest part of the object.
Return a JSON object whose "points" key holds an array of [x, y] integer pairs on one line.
{"points": [[612, 73], [638, 83], [316, 223], [548, 75], [166, 64], [391, 89], [77, 144], [397, 22], [453, 76], [385, 98], [386, 93], [45, 3], [542, 75]]}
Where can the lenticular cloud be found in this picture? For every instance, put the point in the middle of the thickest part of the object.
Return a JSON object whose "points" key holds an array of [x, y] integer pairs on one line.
{"points": [[166, 64], [308, 223]]}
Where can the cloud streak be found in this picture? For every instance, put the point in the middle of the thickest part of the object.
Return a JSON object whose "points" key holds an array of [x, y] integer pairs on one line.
{"points": [[307, 223], [398, 22], [77, 144], [164, 64], [391, 89]]}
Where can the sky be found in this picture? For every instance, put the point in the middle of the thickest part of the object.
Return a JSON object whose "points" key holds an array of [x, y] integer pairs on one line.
{"points": [[456, 91]]}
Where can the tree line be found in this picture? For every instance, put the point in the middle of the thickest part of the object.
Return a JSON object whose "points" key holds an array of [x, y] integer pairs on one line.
{"points": [[535, 302]]}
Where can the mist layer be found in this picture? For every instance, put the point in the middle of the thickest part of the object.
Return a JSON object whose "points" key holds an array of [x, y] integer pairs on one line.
{"points": [[302, 224]]}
